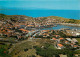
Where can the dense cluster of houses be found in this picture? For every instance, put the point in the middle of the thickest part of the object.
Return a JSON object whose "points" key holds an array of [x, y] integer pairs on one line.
{"points": [[24, 29], [72, 32], [65, 43], [14, 29], [20, 28], [60, 42]]}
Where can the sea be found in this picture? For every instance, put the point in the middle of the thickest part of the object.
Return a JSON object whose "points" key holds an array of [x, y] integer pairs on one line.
{"points": [[61, 26], [71, 14]]}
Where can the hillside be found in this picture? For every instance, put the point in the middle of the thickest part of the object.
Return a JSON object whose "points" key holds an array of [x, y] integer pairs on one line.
{"points": [[39, 19], [66, 20]]}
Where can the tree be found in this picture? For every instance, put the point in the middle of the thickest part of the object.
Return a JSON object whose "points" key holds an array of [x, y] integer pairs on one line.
{"points": [[4, 52]]}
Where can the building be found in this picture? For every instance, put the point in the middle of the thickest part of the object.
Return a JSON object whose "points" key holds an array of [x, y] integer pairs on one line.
{"points": [[61, 55], [60, 46]]}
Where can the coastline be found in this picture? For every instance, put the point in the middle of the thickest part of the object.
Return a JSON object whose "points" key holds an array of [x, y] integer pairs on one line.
{"points": [[69, 24]]}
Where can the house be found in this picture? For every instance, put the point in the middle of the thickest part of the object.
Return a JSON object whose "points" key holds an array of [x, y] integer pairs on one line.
{"points": [[73, 32], [66, 42], [45, 30], [60, 46], [54, 38], [61, 55], [61, 38], [24, 31], [74, 40], [75, 46], [68, 39], [77, 55], [78, 33], [30, 26], [18, 36], [72, 45], [17, 26]]}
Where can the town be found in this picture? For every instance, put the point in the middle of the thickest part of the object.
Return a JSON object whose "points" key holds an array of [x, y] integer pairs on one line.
{"points": [[20, 30]]}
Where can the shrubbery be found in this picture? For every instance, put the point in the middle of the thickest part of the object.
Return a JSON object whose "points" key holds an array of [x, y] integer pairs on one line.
{"points": [[49, 52]]}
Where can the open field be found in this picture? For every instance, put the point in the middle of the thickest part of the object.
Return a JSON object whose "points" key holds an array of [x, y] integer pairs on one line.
{"points": [[78, 40], [26, 49]]}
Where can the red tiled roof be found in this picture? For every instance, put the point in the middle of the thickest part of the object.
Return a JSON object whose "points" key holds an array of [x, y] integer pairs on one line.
{"points": [[54, 38], [23, 30], [61, 38], [60, 45], [75, 45]]}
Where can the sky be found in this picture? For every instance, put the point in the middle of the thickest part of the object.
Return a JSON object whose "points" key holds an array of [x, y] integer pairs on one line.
{"points": [[40, 4]]}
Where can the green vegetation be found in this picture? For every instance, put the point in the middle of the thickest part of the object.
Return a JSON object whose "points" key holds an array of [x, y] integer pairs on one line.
{"points": [[19, 17], [13, 17], [78, 39], [40, 48], [49, 52], [4, 51], [66, 20], [23, 49], [48, 37], [51, 47], [62, 34], [77, 52], [2, 15], [73, 21]]}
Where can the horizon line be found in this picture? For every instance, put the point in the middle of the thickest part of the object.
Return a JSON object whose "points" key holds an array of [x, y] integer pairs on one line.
{"points": [[39, 9]]}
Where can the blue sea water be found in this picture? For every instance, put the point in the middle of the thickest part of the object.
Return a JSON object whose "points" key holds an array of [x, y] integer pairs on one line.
{"points": [[72, 14], [61, 26]]}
